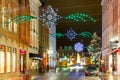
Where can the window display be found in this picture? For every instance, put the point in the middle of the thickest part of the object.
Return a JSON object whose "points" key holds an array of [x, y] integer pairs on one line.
{"points": [[21, 59], [2, 64], [14, 60], [8, 62]]}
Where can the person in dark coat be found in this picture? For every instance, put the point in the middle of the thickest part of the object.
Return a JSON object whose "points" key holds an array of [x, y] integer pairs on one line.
{"points": [[47, 68]]}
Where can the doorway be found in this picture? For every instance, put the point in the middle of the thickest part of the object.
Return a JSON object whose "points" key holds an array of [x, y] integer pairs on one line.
{"points": [[22, 63]]}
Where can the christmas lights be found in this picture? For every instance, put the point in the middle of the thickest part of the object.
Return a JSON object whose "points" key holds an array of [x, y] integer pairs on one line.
{"points": [[86, 34], [71, 34], [79, 17], [49, 17], [78, 47], [22, 18]]}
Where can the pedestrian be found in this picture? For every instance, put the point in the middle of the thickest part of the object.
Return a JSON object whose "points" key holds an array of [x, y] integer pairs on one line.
{"points": [[47, 68]]}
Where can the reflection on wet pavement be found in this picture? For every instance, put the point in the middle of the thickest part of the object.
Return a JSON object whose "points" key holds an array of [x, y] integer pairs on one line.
{"points": [[55, 76]]}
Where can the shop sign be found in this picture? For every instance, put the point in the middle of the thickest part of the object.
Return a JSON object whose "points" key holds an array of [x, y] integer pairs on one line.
{"points": [[22, 51]]}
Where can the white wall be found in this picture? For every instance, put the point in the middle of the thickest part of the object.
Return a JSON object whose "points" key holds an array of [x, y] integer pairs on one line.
{"points": [[52, 47]]}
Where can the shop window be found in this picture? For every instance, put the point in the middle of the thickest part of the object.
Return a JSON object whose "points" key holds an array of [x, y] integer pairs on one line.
{"points": [[2, 59], [34, 64], [14, 65], [21, 63], [8, 59]]}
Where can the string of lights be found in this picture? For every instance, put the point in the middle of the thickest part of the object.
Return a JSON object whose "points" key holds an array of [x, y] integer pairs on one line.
{"points": [[70, 34]]}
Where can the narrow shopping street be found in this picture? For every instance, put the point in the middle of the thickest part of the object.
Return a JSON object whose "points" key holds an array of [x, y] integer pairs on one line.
{"points": [[65, 75], [59, 39], [56, 76]]}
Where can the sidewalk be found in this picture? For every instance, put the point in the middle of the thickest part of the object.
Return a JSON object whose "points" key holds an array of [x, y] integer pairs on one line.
{"points": [[108, 76], [29, 76], [23, 77]]}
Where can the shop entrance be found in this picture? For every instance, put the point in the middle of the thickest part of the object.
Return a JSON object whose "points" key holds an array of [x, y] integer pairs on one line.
{"points": [[23, 63]]}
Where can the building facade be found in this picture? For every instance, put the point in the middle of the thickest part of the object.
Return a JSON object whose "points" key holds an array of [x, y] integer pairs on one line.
{"points": [[44, 46], [15, 38], [52, 47], [110, 35], [34, 36]]}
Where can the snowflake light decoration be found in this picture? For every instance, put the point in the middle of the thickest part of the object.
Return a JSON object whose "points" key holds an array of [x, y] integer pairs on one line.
{"points": [[71, 34], [49, 17], [78, 47]]}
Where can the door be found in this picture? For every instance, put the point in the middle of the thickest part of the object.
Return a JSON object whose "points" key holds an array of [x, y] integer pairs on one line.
{"points": [[22, 63]]}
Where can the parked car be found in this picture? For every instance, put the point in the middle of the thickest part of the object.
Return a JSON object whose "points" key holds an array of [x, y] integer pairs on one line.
{"points": [[77, 67], [91, 70]]}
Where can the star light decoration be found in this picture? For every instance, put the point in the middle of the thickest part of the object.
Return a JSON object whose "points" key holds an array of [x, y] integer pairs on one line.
{"points": [[71, 34], [49, 17]]}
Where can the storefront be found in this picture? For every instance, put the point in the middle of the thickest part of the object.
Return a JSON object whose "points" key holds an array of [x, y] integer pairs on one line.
{"points": [[112, 62], [14, 60], [22, 61], [2, 59], [34, 62], [8, 59]]}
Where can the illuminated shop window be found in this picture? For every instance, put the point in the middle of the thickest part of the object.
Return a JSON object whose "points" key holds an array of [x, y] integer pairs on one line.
{"points": [[21, 59], [2, 61], [14, 60], [8, 59]]}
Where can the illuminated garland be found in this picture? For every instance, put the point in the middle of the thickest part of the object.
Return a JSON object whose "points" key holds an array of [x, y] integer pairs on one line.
{"points": [[68, 48], [56, 35], [86, 34], [79, 17], [20, 19], [72, 35], [91, 48]]}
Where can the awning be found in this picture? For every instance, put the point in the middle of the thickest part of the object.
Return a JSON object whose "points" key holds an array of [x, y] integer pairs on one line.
{"points": [[34, 56]]}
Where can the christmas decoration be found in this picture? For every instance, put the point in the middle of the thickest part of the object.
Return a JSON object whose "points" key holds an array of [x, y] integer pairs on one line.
{"points": [[49, 17], [85, 34], [79, 17], [78, 47], [95, 45], [68, 47], [21, 19], [57, 35], [71, 34]]}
